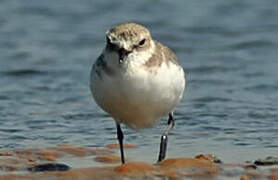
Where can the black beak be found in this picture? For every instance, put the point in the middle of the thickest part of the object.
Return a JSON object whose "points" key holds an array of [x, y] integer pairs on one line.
{"points": [[121, 51], [122, 54]]}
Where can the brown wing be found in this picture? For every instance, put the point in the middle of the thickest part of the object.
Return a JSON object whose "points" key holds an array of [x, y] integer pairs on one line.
{"points": [[168, 54]]}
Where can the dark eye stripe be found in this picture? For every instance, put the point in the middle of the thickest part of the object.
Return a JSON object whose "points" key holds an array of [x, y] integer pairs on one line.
{"points": [[110, 44]]}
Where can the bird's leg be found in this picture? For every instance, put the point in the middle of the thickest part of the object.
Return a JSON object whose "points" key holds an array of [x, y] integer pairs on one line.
{"points": [[164, 137], [120, 136]]}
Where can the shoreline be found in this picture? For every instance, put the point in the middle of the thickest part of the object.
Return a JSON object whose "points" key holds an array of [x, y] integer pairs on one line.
{"points": [[68, 161]]}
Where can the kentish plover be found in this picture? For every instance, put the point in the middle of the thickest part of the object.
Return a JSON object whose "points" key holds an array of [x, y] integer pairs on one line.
{"points": [[137, 80]]}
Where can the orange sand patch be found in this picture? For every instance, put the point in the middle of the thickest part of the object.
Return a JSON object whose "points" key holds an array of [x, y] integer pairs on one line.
{"points": [[117, 146], [134, 168]]}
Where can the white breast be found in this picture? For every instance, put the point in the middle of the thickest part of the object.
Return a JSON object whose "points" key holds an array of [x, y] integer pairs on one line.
{"points": [[137, 97]]}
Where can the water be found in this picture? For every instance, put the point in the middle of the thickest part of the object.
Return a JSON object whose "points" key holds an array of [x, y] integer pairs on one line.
{"points": [[227, 48]]}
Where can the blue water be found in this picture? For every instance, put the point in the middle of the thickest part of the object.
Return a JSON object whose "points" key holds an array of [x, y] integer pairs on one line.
{"points": [[228, 49]]}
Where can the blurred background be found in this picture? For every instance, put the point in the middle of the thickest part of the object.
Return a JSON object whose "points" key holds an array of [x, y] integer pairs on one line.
{"points": [[228, 49]]}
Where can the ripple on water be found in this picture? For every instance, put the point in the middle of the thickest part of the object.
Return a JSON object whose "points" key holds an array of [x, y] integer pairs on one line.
{"points": [[254, 74], [37, 11], [211, 82], [3, 97], [217, 30], [210, 69], [22, 55], [23, 72], [262, 115], [263, 88], [85, 116], [250, 44], [11, 130], [213, 115], [211, 99]]}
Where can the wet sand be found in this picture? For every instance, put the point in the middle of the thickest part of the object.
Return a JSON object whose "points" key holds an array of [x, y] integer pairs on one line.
{"points": [[71, 162]]}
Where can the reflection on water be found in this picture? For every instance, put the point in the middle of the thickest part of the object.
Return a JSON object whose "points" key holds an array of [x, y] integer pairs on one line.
{"points": [[228, 49]]}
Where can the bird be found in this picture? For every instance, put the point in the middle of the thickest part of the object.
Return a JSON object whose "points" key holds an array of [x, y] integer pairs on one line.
{"points": [[137, 80]]}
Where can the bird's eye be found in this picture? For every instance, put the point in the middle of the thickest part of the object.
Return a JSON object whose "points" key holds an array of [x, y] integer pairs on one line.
{"points": [[142, 42]]}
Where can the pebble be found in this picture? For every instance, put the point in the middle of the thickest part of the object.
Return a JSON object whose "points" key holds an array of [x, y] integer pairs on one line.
{"points": [[49, 167], [267, 161]]}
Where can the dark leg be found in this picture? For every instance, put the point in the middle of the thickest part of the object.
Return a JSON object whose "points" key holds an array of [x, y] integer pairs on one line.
{"points": [[164, 137], [120, 138]]}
